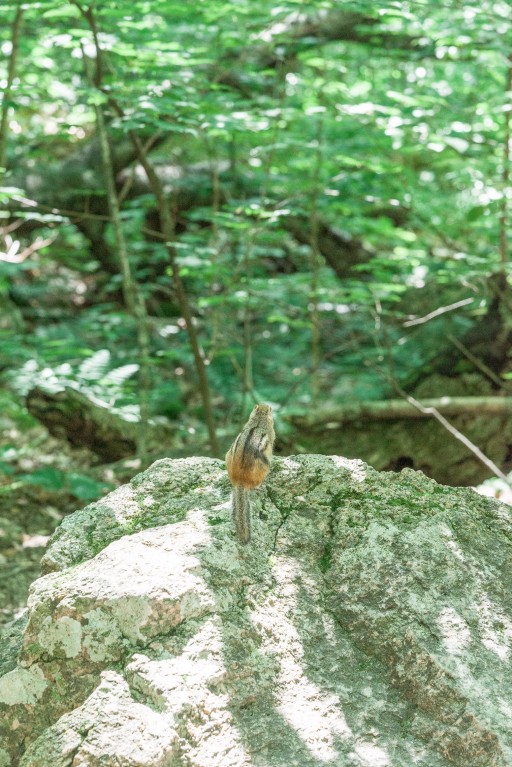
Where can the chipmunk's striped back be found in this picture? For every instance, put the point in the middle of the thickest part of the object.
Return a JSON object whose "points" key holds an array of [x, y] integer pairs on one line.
{"points": [[248, 463]]}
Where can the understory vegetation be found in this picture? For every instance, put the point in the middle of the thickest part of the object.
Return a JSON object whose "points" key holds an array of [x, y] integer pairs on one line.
{"points": [[205, 205]]}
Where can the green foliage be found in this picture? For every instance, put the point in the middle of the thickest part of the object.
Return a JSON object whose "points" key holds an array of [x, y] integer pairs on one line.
{"points": [[80, 486], [389, 138]]}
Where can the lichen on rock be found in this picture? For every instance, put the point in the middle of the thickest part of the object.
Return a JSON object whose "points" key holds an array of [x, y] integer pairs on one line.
{"points": [[367, 623]]}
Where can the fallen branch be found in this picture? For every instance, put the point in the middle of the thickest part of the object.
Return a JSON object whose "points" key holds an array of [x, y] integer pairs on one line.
{"points": [[434, 412], [393, 409]]}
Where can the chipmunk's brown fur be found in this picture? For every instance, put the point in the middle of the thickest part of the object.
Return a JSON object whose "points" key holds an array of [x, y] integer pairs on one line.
{"points": [[248, 463]]}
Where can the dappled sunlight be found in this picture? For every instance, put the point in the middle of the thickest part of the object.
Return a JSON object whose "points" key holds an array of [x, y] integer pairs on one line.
{"points": [[495, 628], [356, 468], [455, 632], [371, 755], [454, 547], [123, 503], [310, 713], [206, 207], [194, 677], [505, 707], [315, 714]]}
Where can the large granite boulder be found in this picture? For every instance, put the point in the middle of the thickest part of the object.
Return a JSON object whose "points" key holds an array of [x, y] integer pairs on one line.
{"points": [[368, 624]]}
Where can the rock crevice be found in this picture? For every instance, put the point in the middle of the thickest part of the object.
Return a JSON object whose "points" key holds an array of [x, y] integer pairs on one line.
{"points": [[368, 623]]}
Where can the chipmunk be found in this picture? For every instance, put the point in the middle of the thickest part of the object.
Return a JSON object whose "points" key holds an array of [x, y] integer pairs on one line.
{"points": [[248, 463]]}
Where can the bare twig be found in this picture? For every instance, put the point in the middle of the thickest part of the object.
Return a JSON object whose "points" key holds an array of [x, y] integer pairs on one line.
{"points": [[12, 256], [433, 410], [458, 435], [75, 215], [409, 407], [438, 312], [477, 362]]}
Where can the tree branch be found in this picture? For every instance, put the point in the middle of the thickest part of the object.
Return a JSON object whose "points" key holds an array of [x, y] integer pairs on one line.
{"points": [[396, 409], [11, 72]]}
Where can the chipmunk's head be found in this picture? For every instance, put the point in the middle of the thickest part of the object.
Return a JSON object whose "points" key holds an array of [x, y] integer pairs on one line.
{"points": [[262, 412]]}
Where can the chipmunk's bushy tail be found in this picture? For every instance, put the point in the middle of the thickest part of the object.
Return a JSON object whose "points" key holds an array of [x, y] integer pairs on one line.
{"points": [[242, 514]]}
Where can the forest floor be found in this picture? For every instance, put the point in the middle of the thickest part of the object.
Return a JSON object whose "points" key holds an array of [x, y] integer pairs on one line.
{"points": [[33, 502]]}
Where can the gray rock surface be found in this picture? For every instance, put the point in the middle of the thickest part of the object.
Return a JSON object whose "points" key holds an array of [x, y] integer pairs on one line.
{"points": [[367, 624]]}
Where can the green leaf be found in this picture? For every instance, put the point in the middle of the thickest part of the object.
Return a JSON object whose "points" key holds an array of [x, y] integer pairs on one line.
{"points": [[49, 478], [85, 488]]}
